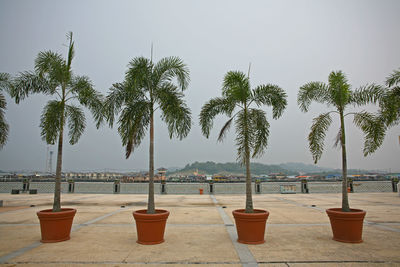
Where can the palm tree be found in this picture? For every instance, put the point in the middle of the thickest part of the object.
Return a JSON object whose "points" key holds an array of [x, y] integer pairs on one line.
{"points": [[53, 76], [252, 127], [148, 87], [4, 85], [337, 93]]}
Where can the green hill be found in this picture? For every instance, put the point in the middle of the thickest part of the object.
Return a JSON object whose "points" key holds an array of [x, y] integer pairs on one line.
{"points": [[212, 168]]}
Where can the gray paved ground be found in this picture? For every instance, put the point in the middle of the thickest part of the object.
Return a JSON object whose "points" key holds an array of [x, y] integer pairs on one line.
{"points": [[200, 231]]}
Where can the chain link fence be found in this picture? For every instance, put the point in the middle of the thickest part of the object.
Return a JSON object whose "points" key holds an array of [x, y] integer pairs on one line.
{"points": [[194, 188]]}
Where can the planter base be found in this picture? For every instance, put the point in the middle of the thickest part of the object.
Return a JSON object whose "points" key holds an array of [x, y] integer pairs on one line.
{"points": [[346, 226], [150, 227], [250, 227], [55, 226]]}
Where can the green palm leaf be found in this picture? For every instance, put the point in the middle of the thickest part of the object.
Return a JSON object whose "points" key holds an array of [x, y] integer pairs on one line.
{"points": [[76, 123], [50, 121], [211, 109], [271, 95], [313, 91], [5, 85], [169, 68], [225, 129], [393, 79], [317, 135], [133, 123], [367, 94], [259, 130], [82, 88], [373, 128], [51, 66], [236, 86], [27, 83], [175, 113]]}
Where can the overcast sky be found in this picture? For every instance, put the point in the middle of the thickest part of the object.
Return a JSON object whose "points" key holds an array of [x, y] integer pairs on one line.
{"points": [[288, 43]]}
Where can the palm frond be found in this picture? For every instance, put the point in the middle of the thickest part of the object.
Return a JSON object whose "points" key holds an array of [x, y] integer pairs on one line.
{"points": [[338, 138], [71, 51], [242, 136], [175, 112], [339, 90], [3, 102], [271, 95], [225, 129], [374, 130], [87, 96], [389, 111], [133, 123], [236, 86], [51, 66], [215, 106], [139, 73], [4, 128], [50, 121], [76, 122], [317, 135], [5, 82], [313, 91], [27, 83], [169, 68], [114, 102], [367, 94], [393, 79], [259, 132]]}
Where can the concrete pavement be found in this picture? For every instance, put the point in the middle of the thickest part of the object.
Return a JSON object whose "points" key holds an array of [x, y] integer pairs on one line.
{"points": [[200, 231]]}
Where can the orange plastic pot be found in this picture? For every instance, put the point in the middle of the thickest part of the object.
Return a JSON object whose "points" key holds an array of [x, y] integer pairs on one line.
{"points": [[150, 227], [347, 226], [250, 227], [55, 226], [200, 191]]}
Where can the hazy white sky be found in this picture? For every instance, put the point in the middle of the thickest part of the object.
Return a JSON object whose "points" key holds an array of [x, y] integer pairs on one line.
{"points": [[288, 43]]}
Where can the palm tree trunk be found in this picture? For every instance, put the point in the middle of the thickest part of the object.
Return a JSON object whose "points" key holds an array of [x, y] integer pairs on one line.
{"points": [[150, 203], [249, 199], [345, 198], [57, 189]]}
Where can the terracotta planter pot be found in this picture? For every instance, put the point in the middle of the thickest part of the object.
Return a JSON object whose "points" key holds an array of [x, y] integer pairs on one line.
{"points": [[250, 227], [55, 226], [346, 226], [150, 227]]}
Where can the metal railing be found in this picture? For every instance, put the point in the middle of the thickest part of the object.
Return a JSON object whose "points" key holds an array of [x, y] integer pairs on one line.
{"points": [[193, 188]]}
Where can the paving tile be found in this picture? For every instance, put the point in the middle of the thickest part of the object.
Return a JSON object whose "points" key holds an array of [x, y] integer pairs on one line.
{"points": [[314, 243], [188, 244], [88, 244], [13, 238]]}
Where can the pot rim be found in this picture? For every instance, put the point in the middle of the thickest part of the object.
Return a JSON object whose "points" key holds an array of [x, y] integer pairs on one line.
{"points": [[141, 214], [353, 213], [258, 214], [64, 213], [339, 211]]}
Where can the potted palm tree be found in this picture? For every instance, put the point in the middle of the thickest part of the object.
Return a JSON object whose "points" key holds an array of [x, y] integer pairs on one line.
{"points": [[252, 131], [5, 80], [149, 87], [346, 223], [53, 76]]}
